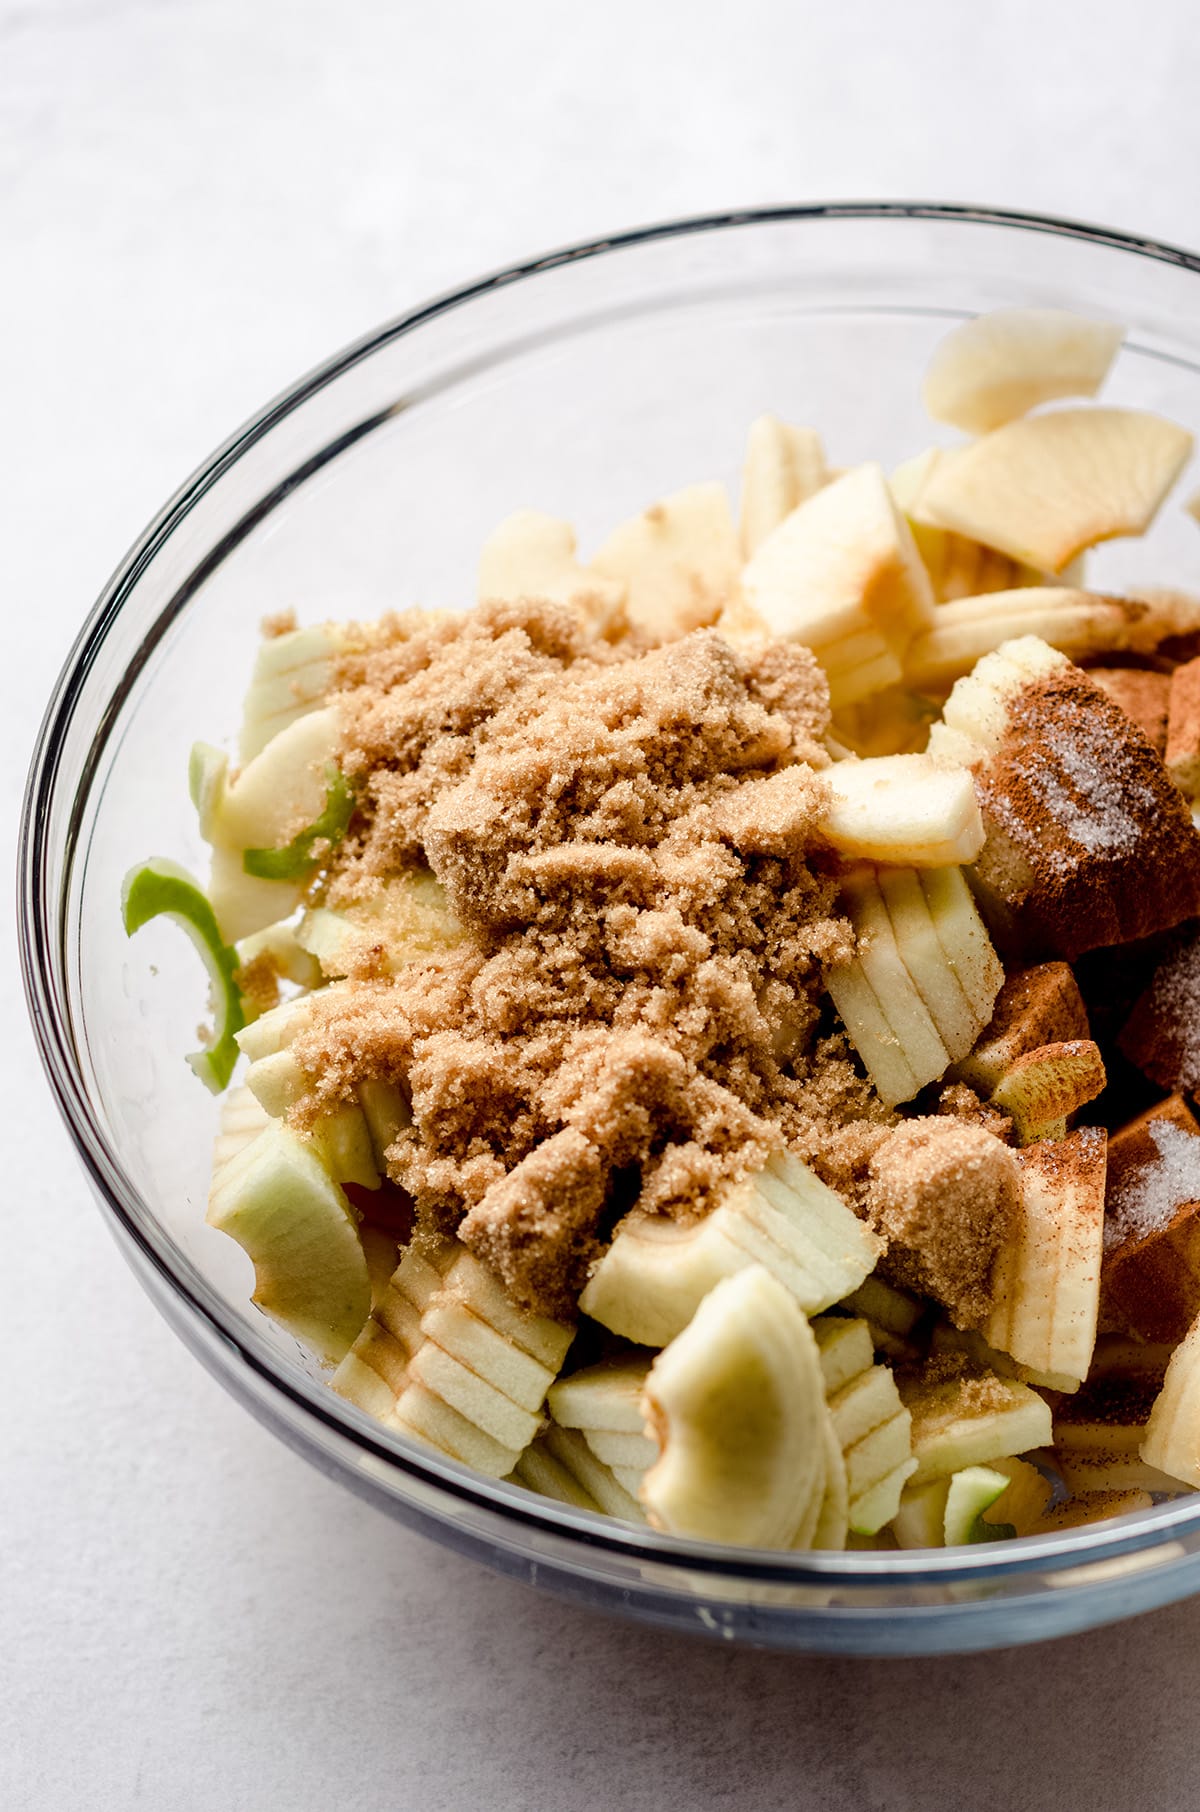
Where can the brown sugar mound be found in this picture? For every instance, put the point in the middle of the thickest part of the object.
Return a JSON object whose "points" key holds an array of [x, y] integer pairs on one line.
{"points": [[634, 1010], [945, 1193]]}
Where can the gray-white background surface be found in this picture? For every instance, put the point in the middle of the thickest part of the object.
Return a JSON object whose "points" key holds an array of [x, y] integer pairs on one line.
{"points": [[197, 201]]}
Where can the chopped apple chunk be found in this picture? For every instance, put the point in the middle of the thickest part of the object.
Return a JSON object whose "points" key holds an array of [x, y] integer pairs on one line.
{"points": [[784, 466], [906, 809], [678, 560], [999, 365], [1045, 487]]}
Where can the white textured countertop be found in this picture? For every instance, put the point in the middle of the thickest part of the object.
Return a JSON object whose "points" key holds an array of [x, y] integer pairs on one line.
{"points": [[198, 199]]}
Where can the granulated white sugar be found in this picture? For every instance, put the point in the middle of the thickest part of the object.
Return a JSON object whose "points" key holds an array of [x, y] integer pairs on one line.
{"points": [[1147, 1197]]}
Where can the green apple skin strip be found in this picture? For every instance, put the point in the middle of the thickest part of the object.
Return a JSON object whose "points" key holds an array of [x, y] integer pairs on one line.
{"points": [[292, 862], [161, 888]]}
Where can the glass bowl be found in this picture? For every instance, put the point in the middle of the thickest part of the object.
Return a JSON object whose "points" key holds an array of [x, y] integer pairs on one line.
{"points": [[586, 384]]}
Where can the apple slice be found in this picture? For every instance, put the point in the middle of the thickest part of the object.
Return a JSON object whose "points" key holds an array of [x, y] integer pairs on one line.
{"points": [[737, 1404], [1035, 1007], [905, 809], [294, 860], [568, 1447], [784, 466], [932, 973], [1042, 1088], [284, 789], [281, 1205], [958, 567], [908, 1050], [678, 560], [161, 889], [970, 1493], [842, 564], [292, 676], [972, 1421], [1172, 1442], [1077, 623], [531, 555], [1000, 365], [1045, 487], [657, 1271], [538, 1470], [1046, 1275]]}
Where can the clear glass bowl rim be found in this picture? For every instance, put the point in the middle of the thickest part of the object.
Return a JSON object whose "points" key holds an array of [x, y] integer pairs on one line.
{"points": [[42, 936]]}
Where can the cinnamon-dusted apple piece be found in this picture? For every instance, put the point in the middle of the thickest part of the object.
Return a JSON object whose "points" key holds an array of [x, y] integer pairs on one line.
{"points": [[1151, 1275], [1042, 1088], [1045, 1283], [1183, 728], [1035, 1007], [1088, 843], [1043, 488], [1162, 1034], [1142, 694], [999, 365]]}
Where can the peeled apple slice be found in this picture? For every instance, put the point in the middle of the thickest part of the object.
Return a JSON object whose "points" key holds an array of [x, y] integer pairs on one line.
{"points": [[737, 1403], [784, 466], [1044, 488], [1077, 623], [1046, 1279], [531, 555], [678, 560], [1002, 364], [1172, 1440], [280, 1204], [657, 1271], [844, 565], [907, 809], [951, 1429], [162, 889]]}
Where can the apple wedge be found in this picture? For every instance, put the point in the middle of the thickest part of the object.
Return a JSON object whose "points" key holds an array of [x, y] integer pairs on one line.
{"points": [[907, 809], [657, 1271], [1043, 1087], [1077, 623], [1045, 487], [842, 574], [973, 1421], [1172, 1440], [1000, 365], [737, 1404], [531, 555], [280, 1204], [1046, 1276], [784, 465], [678, 561]]}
